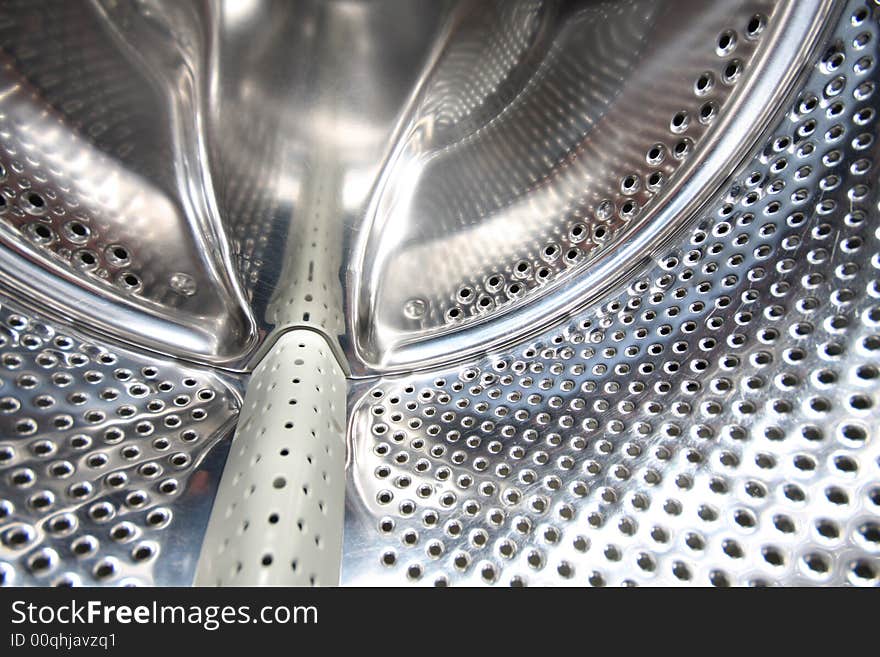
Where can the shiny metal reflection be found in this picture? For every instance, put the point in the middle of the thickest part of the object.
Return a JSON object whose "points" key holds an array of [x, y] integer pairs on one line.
{"points": [[432, 187], [208, 173]]}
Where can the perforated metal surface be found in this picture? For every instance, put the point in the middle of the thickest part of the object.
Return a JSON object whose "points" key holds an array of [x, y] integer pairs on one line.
{"points": [[537, 141], [710, 422], [108, 460], [603, 276], [98, 206], [523, 184]]}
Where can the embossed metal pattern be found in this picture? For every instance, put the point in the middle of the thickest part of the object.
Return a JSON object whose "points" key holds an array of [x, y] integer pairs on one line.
{"points": [[710, 422]]}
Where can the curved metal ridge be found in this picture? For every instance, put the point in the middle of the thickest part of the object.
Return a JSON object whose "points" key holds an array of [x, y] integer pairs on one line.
{"points": [[792, 39], [586, 290], [709, 420], [119, 237], [196, 201]]}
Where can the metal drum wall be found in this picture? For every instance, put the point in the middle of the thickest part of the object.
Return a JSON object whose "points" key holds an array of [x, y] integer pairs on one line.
{"points": [[533, 292]]}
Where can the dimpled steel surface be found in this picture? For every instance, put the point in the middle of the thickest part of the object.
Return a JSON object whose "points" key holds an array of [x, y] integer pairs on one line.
{"points": [[711, 421]]}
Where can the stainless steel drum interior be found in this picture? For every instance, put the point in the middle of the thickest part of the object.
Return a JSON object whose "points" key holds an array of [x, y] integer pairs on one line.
{"points": [[475, 292]]}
